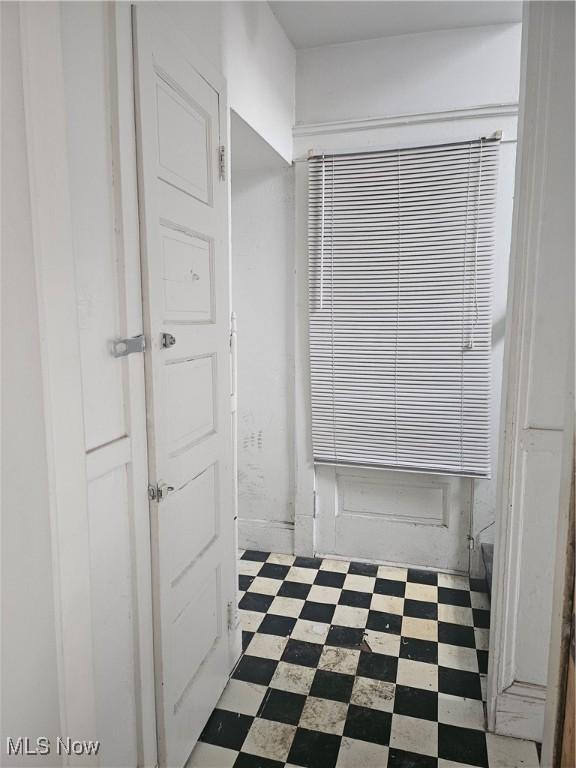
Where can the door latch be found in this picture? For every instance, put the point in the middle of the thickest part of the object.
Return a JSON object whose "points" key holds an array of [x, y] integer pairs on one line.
{"points": [[159, 492], [168, 340], [124, 347]]}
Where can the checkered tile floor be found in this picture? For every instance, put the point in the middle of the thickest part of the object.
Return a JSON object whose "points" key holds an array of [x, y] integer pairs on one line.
{"points": [[356, 665]]}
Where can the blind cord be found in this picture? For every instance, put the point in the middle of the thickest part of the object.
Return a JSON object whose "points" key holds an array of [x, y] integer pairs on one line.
{"points": [[322, 234], [477, 227]]}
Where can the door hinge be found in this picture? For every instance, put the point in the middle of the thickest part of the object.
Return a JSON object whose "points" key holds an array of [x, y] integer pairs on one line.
{"points": [[222, 162], [233, 618], [159, 492]]}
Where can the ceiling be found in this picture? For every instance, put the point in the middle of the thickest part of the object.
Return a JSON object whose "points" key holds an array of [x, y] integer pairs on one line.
{"points": [[309, 24]]}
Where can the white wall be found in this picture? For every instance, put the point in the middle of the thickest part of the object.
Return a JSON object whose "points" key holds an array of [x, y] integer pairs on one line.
{"points": [[245, 42], [263, 299], [425, 72], [426, 88], [30, 688]]}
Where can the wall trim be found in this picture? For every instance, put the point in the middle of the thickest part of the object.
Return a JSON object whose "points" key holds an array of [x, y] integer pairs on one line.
{"points": [[267, 535], [508, 109]]}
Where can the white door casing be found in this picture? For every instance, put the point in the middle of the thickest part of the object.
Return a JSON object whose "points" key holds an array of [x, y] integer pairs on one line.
{"points": [[181, 120]]}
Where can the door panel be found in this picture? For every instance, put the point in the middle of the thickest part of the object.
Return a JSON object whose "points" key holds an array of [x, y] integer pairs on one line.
{"points": [[186, 294], [394, 517]]}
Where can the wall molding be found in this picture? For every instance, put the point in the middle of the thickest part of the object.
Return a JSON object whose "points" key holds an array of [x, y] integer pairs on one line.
{"points": [[267, 535], [509, 109]]}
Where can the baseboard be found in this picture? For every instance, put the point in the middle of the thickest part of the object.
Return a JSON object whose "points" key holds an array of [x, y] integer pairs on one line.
{"points": [[520, 711], [266, 535]]}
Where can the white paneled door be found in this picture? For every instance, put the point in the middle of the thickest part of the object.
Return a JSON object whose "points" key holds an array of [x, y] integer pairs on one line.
{"points": [[184, 207]]}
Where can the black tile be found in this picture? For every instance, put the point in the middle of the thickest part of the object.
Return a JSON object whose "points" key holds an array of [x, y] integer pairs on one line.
{"points": [[226, 729], [456, 634], [416, 702], [421, 609], [419, 650], [458, 682], [330, 579], [397, 758], [308, 562], [363, 569], [368, 725], [274, 571], [321, 612], [294, 589], [254, 669], [276, 625], [481, 618], [244, 760], [314, 749], [422, 577], [453, 596], [246, 637], [251, 554], [482, 662], [252, 601], [300, 652], [478, 585], [332, 685], [244, 582], [390, 587], [462, 745], [377, 666], [282, 706], [384, 622], [356, 599], [344, 637]]}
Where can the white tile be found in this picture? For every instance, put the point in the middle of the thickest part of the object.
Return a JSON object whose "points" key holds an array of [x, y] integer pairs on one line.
{"points": [[343, 660], [480, 600], [348, 616], [250, 620], [293, 678], [423, 629], [425, 592], [455, 614], [413, 734], [466, 713], [320, 594], [286, 606], [393, 572], [249, 567], [281, 559], [376, 694], [482, 639], [267, 738], [265, 586], [359, 583], [387, 604], [361, 754], [302, 575], [383, 642], [451, 581], [267, 646], [337, 566], [239, 696], [457, 657], [417, 674], [310, 631], [504, 752], [484, 687], [211, 756], [324, 715]]}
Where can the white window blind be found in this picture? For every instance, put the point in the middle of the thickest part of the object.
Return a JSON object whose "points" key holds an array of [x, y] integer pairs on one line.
{"points": [[400, 252]]}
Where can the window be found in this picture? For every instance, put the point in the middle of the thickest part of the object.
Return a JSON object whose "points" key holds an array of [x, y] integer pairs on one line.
{"points": [[400, 252]]}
